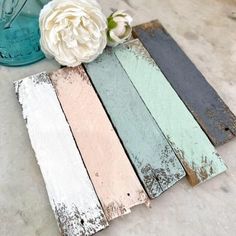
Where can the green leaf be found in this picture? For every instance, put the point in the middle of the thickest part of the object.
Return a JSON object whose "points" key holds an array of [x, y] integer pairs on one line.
{"points": [[109, 18], [109, 37], [111, 23]]}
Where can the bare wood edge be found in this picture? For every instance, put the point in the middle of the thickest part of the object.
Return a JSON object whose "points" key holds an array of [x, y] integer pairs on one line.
{"points": [[148, 26]]}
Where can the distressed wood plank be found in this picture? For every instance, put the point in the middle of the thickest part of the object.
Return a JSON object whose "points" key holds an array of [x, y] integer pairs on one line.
{"points": [[148, 150], [190, 143], [70, 191], [113, 177], [207, 107]]}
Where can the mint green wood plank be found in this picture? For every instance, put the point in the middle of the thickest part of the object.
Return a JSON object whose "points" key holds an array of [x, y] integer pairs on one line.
{"points": [[192, 146], [152, 157]]}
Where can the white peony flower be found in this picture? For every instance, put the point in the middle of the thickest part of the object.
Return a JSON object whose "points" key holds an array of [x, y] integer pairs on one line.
{"points": [[119, 28], [72, 31]]}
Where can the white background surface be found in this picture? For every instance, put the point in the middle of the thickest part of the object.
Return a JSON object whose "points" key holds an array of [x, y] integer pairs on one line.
{"points": [[206, 30]]}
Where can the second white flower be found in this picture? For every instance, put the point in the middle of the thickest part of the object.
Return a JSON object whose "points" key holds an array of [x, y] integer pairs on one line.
{"points": [[119, 28]]}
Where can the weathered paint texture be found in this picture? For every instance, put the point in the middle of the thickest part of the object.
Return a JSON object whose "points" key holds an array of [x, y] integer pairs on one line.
{"points": [[207, 107], [148, 150], [190, 143], [113, 177], [70, 191]]}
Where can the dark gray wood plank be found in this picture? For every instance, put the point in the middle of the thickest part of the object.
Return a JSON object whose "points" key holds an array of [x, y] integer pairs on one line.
{"points": [[214, 116]]}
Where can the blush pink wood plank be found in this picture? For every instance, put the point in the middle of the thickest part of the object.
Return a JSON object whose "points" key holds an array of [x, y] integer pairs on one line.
{"points": [[114, 179]]}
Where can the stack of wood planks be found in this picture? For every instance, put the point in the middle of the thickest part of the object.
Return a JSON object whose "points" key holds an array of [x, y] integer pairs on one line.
{"points": [[123, 129]]}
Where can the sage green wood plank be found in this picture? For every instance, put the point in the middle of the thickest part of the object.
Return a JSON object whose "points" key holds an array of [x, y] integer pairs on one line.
{"points": [[190, 143], [152, 157]]}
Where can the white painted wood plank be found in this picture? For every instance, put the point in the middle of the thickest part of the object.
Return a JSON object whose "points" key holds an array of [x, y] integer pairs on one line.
{"points": [[70, 191]]}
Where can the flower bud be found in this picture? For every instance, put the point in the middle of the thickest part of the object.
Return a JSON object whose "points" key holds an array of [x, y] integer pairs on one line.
{"points": [[119, 28]]}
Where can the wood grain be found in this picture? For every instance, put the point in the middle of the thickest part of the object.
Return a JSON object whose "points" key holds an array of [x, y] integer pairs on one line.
{"points": [[191, 145], [148, 150], [207, 107], [70, 191], [113, 177]]}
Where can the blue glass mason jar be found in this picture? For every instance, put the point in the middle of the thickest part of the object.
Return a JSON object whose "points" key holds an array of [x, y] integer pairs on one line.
{"points": [[19, 31]]}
